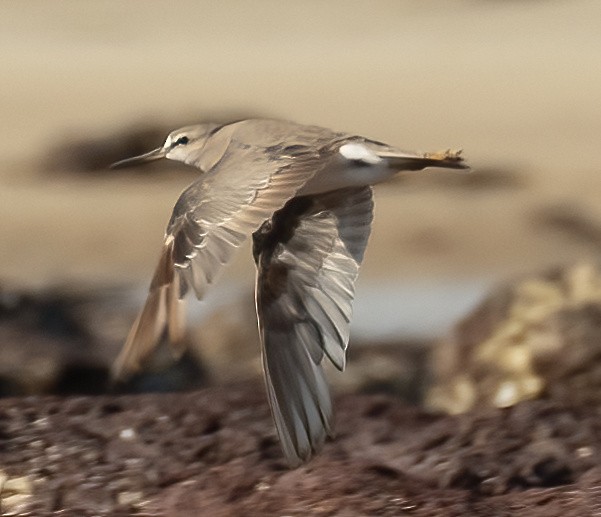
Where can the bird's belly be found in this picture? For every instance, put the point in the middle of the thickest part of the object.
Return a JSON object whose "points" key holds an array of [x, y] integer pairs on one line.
{"points": [[343, 175]]}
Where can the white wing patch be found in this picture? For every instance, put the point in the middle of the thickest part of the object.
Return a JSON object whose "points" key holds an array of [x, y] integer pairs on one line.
{"points": [[355, 151]]}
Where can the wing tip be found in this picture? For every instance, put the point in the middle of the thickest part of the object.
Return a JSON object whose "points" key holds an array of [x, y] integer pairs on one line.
{"points": [[127, 362], [302, 424], [164, 309], [122, 369], [298, 454]]}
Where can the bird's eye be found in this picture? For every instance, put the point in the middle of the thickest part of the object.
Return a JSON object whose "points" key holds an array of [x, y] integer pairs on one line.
{"points": [[182, 140]]}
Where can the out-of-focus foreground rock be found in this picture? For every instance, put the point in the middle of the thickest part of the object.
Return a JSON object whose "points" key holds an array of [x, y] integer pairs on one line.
{"points": [[540, 335], [63, 340]]}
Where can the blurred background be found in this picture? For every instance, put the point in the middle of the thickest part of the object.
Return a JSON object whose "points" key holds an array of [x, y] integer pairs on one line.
{"points": [[514, 83]]}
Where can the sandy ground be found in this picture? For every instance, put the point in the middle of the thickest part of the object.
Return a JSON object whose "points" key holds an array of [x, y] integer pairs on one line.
{"points": [[514, 83]]}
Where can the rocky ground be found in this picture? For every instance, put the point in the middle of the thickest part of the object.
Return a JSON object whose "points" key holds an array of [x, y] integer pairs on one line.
{"points": [[214, 452], [520, 372]]}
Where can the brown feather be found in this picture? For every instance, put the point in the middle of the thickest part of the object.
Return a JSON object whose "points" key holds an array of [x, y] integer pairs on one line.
{"points": [[162, 309]]}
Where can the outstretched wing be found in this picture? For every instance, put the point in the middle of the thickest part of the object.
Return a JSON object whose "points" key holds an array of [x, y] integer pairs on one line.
{"points": [[245, 184], [308, 258]]}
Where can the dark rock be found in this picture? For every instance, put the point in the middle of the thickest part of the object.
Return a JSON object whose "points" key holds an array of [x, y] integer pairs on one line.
{"points": [[92, 154]]}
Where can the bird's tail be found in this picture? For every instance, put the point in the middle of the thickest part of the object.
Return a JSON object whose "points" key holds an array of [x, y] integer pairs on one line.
{"points": [[449, 159], [164, 309]]}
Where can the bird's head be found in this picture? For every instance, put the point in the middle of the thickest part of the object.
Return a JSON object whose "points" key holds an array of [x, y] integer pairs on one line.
{"points": [[182, 145]]}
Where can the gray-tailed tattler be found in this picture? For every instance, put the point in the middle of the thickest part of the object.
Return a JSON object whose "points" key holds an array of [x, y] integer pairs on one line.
{"points": [[304, 193]]}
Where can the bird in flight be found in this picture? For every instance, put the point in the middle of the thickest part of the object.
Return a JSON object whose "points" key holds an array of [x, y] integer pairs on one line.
{"points": [[304, 194]]}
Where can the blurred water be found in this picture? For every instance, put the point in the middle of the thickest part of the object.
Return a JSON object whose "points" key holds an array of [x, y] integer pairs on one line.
{"points": [[421, 309], [414, 309]]}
